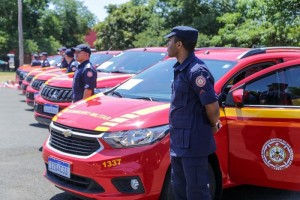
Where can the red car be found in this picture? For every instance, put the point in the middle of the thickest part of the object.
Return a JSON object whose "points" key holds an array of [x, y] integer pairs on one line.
{"points": [[40, 77], [23, 70], [115, 145], [57, 92]]}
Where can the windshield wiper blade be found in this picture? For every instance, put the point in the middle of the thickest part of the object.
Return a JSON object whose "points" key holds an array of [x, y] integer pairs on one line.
{"points": [[117, 94], [118, 71], [146, 98]]}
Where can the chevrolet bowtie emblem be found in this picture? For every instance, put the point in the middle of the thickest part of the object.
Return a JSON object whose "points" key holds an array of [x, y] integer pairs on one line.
{"points": [[67, 133]]}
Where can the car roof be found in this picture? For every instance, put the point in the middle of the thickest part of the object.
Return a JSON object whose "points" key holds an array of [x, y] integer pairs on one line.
{"points": [[150, 49], [220, 53], [114, 52]]}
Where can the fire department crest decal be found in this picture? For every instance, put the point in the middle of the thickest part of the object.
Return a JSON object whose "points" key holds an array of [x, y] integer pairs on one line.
{"points": [[200, 81], [277, 154]]}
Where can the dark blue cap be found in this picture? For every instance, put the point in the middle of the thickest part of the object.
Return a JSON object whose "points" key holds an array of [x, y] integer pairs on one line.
{"points": [[185, 33], [70, 53], [82, 47], [62, 49], [44, 54]]}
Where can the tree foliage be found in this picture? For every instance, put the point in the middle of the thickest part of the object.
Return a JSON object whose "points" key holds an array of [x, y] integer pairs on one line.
{"points": [[47, 25]]}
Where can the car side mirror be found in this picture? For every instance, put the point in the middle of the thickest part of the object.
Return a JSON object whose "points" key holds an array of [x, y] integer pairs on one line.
{"points": [[238, 97]]}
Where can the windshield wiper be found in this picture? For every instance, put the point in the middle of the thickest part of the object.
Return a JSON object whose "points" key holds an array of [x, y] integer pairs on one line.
{"points": [[118, 71], [117, 94], [145, 98]]}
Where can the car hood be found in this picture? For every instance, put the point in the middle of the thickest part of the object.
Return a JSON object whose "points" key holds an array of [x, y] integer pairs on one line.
{"points": [[105, 113], [50, 74], [103, 80]]}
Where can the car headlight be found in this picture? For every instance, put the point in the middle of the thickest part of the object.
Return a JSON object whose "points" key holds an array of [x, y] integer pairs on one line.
{"points": [[99, 90], [138, 137], [31, 82]]}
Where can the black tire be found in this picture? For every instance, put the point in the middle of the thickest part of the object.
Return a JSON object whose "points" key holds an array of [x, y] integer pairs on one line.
{"points": [[212, 181], [166, 192]]}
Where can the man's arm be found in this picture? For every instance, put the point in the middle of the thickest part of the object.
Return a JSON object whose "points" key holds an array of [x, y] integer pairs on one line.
{"points": [[87, 93], [213, 114]]}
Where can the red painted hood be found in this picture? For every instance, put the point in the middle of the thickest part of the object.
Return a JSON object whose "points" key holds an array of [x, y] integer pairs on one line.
{"points": [[105, 113], [103, 80], [50, 74]]}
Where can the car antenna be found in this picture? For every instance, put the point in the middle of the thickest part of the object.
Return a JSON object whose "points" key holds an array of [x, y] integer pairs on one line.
{"points": [[108, 50], [145, 49]]}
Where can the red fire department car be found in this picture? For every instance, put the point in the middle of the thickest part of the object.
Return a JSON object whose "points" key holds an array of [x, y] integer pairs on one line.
{"points": [[38, 78], [23, 70], [115, 145], [57, 92]]}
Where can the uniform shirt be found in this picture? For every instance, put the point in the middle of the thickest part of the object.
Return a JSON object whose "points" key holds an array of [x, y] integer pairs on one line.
{"points": [[72, 66], [63, 64], [45, 63], [192, 89], [85, 77], [36, 63]]}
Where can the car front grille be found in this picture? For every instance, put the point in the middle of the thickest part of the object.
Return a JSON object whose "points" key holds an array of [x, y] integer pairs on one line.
{"points": [[36, 84], [73, 144], [29, 78], [78, 183], [30, 96], [54, 94]]}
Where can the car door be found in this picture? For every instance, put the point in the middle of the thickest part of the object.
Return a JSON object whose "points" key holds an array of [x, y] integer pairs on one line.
{"points": [[263, 118]]}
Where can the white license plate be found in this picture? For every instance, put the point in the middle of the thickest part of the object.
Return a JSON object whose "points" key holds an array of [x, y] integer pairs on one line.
{"points": [[49, 108], [59, 167]]}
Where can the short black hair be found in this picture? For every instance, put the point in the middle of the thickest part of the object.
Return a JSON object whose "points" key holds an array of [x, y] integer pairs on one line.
{"points": [[188, 45]]}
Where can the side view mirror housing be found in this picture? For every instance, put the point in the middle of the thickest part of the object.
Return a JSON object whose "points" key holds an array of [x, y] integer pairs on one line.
{"points": [[238, 97]]}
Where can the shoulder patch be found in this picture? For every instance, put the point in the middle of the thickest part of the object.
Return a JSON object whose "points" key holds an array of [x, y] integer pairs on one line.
{"points": [[89, 74], [200, 81]]}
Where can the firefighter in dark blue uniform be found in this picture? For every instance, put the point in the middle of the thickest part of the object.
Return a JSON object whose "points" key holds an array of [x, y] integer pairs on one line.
{"points": [[35, 61], [62, 51], [71, 63], [194, 117], [85, 76], [45, 62]]}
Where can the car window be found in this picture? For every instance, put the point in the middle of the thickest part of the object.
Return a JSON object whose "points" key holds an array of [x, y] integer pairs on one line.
{"points": [[155, 82], [96, 59], [279, 88], [131, 62]]}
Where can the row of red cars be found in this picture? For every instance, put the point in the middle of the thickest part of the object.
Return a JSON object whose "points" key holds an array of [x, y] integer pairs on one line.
{"points": [[115, 144]]}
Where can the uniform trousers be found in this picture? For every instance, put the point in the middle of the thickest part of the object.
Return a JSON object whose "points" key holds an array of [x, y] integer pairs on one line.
{"points": [[190, 178]]}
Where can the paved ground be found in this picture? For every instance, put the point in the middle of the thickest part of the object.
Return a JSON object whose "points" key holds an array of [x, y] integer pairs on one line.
{"points": [[21, 165]]}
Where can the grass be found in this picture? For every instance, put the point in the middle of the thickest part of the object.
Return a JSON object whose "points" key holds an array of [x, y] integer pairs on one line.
{"points": [[7, 76]]}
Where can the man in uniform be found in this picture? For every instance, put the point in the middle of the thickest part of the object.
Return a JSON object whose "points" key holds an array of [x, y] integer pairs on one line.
{"points": [[194, 117], [71, 63], [62, 51], [35, 60], [45, 62], [85, 76]]}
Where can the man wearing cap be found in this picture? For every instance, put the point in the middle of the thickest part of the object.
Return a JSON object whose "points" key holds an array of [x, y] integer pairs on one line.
{"points": [[45, 62], [194, 117], [35, 60], [61, 52], [71, 63], [85, 76]]}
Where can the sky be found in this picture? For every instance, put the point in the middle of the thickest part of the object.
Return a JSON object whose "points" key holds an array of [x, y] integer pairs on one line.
{"points": [[97, 6]]}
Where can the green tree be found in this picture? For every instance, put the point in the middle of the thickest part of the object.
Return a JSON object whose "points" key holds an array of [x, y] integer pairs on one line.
{"points": [[260, 23], [123, 23]]}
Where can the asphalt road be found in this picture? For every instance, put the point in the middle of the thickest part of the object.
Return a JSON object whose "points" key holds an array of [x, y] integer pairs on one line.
{"points": [[22, 167]]}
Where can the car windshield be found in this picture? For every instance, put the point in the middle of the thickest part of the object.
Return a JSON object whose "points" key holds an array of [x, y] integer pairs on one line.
{"points": [[97, 59], [131, 62], [154, 84], [54, 60]]}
